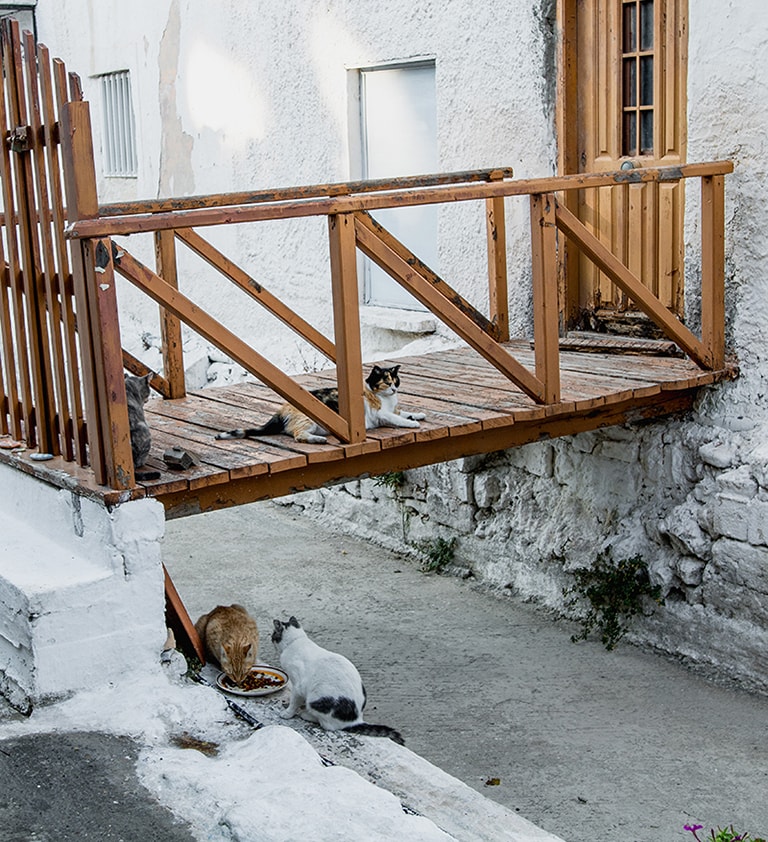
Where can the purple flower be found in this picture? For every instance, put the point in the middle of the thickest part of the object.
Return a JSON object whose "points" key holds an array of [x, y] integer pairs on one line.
{"points": [[693, 827]]}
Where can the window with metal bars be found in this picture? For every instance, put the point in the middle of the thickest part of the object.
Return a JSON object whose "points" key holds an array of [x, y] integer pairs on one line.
{"points": [[119, 125], [637, 69]]}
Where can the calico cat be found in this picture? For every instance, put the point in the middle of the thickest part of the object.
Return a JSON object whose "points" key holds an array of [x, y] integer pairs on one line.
{"points": [[230, 637], [325, 687], [380, 397], [137, 394]]}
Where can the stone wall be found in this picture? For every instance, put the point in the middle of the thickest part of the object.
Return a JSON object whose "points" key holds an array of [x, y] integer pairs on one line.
{"points": [[691, 499]]}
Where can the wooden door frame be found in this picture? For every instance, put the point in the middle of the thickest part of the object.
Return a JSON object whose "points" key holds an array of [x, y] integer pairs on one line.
{"points": [[567, 147], [566, 126]]}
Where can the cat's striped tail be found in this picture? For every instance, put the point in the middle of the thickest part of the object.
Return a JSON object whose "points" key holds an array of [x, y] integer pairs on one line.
{"points": [[272, 427], [376, 731]]}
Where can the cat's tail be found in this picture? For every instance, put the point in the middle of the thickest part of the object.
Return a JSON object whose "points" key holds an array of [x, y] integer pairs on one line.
{"points": [[272, 427], [376, 731]]}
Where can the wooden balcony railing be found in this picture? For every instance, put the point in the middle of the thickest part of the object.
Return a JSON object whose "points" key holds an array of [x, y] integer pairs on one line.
{"points": [[52, 296]]}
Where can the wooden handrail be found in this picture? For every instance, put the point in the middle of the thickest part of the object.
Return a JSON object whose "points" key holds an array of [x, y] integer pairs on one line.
{"points": [[200, 217], [316, 191]]}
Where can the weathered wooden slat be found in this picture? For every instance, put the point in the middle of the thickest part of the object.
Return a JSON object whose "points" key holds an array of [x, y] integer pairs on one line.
{"points": [[63, 277], [545, 306], [228, 268], [170, 326], [41, 375], [346, 325], [47, 287], [199, 217], [16, 344], [108, 356], [496, 235], [80, 185], [343, 188], [180, 622], [366, 223], [713, 267]]}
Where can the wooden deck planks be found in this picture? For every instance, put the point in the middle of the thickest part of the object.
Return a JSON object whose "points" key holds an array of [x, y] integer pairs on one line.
{"points": [[471, 408]]}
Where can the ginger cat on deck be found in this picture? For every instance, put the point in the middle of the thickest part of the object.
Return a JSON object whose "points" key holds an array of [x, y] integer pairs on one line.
{"points": [[230, 638]]}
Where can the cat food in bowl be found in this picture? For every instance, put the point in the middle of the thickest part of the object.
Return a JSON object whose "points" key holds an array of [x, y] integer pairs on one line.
{"points": [[260, 681]]}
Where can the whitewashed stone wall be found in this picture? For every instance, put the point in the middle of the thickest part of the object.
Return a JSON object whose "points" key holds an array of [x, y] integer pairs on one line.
{"points": [[690, 499], [81, 590]]}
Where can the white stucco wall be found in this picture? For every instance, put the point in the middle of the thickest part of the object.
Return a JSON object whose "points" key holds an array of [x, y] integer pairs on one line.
{"points": [[234, 98]]}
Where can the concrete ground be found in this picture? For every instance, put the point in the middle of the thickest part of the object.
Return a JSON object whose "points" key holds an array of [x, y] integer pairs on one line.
{"points": [[588, 744]]}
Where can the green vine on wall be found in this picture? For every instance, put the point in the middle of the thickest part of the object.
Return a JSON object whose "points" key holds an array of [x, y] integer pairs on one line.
{"points": [[615, 592]]}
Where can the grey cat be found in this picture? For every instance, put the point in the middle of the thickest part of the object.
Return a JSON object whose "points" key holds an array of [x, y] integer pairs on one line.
{"points": [[137, 393]]}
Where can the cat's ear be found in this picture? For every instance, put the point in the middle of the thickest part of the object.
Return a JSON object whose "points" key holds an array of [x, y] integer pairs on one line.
{"points": [[294, 622], [278, 625], [394, 370]]}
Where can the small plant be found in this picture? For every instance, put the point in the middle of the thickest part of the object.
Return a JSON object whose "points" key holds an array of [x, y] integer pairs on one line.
{"points": [[394, 480], [615, 591], [438, 553], [722, 834]]}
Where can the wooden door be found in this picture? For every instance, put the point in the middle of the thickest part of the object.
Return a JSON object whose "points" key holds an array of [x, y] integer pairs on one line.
{"points": [[622, 106]]}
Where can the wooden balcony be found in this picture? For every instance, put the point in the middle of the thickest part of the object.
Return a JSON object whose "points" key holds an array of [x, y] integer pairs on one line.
{"points": [[61, 379]]}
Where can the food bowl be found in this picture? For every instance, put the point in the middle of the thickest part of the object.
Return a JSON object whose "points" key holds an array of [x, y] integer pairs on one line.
{"points": [[260, 681]]}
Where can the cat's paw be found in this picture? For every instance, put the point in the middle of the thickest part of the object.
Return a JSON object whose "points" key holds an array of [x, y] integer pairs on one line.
{"points": [[416, 416], [410, 422], [287, 713]]}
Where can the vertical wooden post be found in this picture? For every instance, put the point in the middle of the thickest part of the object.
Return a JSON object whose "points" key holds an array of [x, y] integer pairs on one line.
{"points": [[545, 310], [497, 262], [346, 323], [170, 326], [713, 267], [569, 159], [97, 319]]}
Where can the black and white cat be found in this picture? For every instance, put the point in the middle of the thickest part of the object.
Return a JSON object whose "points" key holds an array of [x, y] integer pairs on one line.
{"points": [[326, 688], [381, 410]]}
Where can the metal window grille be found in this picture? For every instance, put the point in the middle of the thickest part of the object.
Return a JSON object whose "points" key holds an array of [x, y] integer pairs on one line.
{"points": [[119, 126]]}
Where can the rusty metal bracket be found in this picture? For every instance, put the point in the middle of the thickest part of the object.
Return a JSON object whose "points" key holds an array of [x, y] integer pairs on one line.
{"points": [[20, 138]]}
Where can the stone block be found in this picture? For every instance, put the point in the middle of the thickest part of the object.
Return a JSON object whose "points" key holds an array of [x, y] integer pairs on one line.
{"points": [[486, 490], [623, 451], [690, 571], [729, 517], [718, 454], [536, 458], [740, 564], [682, 528], [737, 482], [757, 522]]}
